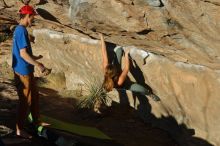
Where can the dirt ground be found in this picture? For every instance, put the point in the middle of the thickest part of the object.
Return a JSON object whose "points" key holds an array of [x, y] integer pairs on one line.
{"points": [[120, 123]]}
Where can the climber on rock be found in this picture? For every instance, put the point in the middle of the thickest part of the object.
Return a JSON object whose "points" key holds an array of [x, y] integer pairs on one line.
{"points": [[115, 77]]}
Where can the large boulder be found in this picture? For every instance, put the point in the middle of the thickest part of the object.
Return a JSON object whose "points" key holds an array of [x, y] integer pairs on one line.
{"points": [[183, 66], [184, 35], [189, 92]]}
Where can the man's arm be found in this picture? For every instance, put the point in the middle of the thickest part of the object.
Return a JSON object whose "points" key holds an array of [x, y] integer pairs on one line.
{"points": [[30, 60]]}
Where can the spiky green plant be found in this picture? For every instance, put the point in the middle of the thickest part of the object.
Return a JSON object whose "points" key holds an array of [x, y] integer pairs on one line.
{"points": [[96, 95]]}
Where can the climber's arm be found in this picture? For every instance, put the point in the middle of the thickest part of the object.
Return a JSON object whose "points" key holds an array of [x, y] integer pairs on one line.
{"points": [[125, 71], [104, 52]]}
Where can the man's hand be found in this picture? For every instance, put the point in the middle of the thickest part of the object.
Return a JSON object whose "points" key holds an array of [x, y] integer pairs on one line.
{"points": [[44, 71], [41, 67]]}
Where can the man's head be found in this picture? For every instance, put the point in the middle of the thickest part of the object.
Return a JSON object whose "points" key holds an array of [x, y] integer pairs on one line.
{"points": [[26, 2], [27, 14]]}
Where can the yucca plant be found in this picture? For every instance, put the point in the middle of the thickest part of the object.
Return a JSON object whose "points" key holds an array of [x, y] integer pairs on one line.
{"points": [[95, 96]]}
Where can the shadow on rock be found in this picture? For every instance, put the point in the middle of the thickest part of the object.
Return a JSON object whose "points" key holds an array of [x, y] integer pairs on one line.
{"points": [[47, 15], [42, 2], [179, 132]]}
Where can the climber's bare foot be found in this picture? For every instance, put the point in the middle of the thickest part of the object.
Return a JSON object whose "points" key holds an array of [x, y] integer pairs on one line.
{"points": [[43, 124], [40, 123]]}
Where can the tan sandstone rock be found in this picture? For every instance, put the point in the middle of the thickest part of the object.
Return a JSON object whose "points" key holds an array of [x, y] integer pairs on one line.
{"points": [[189, 93]]}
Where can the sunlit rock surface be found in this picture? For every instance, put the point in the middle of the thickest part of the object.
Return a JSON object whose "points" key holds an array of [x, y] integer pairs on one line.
{"points": [[189, 93]]}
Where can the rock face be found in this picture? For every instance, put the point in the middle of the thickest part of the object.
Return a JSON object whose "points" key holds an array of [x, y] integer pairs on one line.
{"points": [[74, 56], [183, 66], [185, 31], [184, 35], [189, 93], [179, 38]]}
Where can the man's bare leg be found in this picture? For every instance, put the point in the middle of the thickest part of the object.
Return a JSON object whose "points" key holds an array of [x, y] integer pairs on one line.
{"points": [[22, 110]]}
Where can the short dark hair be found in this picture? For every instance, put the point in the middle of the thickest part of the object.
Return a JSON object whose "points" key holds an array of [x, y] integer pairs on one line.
{"points": [[24, 15]]}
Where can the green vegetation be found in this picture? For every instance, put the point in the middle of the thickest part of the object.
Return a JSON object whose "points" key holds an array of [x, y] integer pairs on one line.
{"points": [[96, 95]]}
